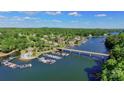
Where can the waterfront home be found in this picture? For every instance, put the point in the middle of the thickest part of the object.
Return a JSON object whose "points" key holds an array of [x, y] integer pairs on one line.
{"points": [[78, 38], [45, 36], [71, 43], [90, 35], [27, 54], [105, 34], [61, 40], [55, 44]]}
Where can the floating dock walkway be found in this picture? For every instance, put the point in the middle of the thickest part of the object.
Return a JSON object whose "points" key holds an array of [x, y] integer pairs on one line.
{"points": [[13, 65]]}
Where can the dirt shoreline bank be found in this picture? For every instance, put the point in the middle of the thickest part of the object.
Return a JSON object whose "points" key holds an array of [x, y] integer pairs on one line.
{"points": [[7, 54]]}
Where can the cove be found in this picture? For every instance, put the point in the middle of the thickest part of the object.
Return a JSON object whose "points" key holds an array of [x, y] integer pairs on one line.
{"points": [[71, 68]]}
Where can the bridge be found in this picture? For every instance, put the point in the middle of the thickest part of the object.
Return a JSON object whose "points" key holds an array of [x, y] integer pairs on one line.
{"points": [[87, 53]]}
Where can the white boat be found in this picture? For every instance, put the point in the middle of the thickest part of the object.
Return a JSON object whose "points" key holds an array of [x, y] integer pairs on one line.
{"points": [[46, 61], [53, 56], [24, 66], [13, 65], [42, 59], [11, 58], [9, 64], [65, 54]]}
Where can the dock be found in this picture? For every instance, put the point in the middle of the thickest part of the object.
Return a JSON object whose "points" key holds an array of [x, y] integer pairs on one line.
{"points": [[13, 65]]}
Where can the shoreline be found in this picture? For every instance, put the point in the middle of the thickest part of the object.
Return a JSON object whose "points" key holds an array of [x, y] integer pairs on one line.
{"points": [[31, 58], [26, 59], [81, 42], [2, 54]]}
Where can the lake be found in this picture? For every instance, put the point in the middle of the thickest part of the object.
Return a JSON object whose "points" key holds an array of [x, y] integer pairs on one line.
{"points": [[71, 68]]}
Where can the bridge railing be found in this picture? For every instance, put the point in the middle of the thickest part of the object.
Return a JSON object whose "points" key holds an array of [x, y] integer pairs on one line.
{"points": [[85, 52]]}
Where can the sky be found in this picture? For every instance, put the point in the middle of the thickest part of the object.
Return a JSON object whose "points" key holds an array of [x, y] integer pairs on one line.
{"points": [[62, 19]]}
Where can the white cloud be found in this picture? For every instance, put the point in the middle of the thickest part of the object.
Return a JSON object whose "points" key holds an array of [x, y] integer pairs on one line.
{"points": [[100, 15], [74, 21], [57, 21], [17, 18], [5, 11], [5, 18], [27, 17], [2, 17], [53, 13], [74, 14], [29, 12]]}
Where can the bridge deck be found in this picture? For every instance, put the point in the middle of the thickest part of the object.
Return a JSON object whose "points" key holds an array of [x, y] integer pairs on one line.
{"points": [[86, 52]]}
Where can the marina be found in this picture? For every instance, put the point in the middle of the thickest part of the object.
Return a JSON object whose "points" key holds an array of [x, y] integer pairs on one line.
{"points": [[52, 57], [48, 58], [10, 64], [61, 46], [46, 61], [76, 67], [13, 65]]}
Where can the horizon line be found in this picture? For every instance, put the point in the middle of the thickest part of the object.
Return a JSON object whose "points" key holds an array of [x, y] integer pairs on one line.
{"points": [[62, 27]]}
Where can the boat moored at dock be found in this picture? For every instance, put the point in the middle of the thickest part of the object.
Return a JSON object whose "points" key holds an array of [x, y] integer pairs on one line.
{"points": [[52, 56], [9, 64], [13, 65], [24, 66], [46, 60]]}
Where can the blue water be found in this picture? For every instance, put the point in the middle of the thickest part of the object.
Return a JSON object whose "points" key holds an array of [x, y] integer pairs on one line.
{"points": [[72, 68], [93, 45]]}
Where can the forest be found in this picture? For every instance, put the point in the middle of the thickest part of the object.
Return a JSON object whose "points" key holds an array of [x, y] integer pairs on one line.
{"points": [[113, 68], [42, 39]]}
